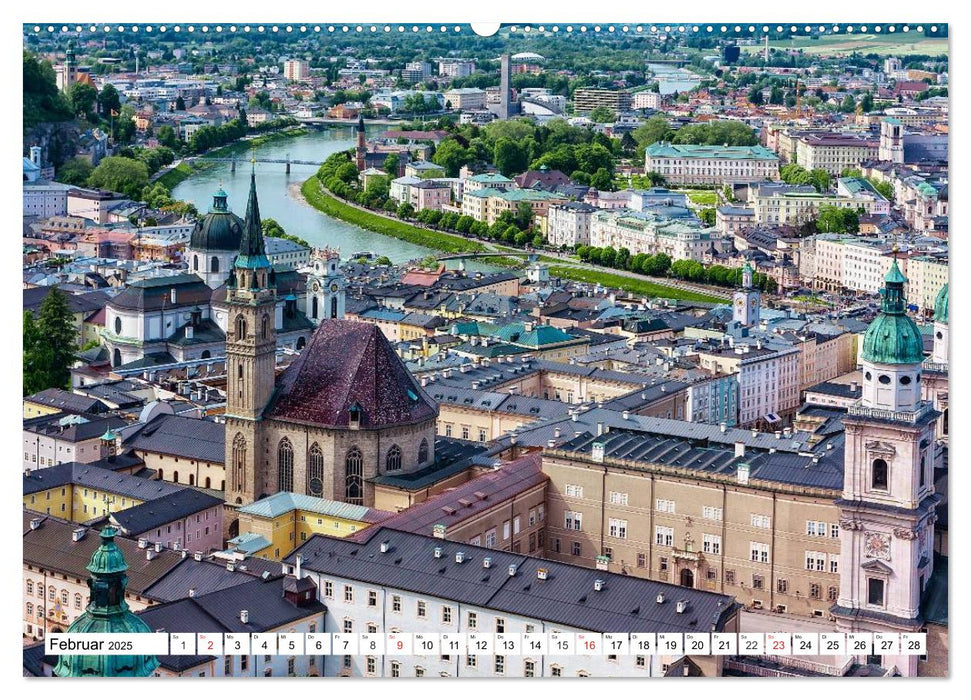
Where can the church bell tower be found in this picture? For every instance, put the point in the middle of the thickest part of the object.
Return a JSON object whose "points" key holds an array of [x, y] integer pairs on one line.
{"points": [[888, 504], [747, 301], [250, 357], [326, 286]]}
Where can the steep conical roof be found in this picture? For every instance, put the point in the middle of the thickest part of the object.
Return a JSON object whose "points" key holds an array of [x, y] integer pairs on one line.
{"points": [[107, 613], [252, 250], [893, 338]]}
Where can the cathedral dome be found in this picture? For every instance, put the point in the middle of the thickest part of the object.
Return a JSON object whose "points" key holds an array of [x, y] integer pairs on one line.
{"points": [[893, 338], [350, 371], [220, 229], [940, 305]]}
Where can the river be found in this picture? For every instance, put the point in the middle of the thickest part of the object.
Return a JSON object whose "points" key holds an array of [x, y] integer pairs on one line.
{"points": [[280, 197], [671, 79]]}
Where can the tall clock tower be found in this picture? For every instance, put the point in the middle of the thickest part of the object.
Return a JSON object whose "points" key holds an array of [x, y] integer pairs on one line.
{"points": [[887, 509], [250, 357], [746, 302], [326, 286]]}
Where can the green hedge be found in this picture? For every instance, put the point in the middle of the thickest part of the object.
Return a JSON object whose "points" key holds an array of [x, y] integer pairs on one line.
{"points": [[635, 286], [331, 206]]}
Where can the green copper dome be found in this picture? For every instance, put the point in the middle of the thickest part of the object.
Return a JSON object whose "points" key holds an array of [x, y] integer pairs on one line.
{"points": [[220, 229], [940, 305], [107, 613], [893, 338]]}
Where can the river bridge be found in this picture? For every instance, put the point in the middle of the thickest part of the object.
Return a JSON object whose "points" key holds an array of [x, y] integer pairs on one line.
{"points": [[288, 161]]}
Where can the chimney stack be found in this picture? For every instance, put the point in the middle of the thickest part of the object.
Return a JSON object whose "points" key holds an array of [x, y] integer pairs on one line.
{"points": [[244, 616], [299, 571]]}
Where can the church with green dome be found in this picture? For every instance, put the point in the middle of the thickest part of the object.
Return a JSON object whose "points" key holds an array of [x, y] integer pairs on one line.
{"points": [[215, 241], [107, 613]]}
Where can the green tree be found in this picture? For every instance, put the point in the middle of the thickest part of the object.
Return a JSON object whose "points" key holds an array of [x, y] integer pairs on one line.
{"points": [[119, 174], [75, 172], [272, 228], [406, 211], [509, 157], [50, 342], [108, 101], [524, 216], [179, 104], [167, 137], [755, 96], [42, 101], [451, 155], [707, 216], [603, 115], [833, 219], [83, 100], [391, 164]]}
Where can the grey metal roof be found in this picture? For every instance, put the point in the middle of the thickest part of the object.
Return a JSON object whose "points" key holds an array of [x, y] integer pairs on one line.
{"points": [[96, 478], [201, 576], [566, 597], [821, 469], [160, 511], [190, 438], [67, 401]]}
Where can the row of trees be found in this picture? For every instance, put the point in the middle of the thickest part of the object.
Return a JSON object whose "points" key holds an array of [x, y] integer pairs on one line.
{"points": [[653, 265], [795, 174], [719, 275]]}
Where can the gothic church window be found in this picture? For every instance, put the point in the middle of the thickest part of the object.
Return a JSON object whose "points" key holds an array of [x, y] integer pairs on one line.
{"points": [[315, 472], [393, 461], [285, 465], [354, 477], [423, 451]]}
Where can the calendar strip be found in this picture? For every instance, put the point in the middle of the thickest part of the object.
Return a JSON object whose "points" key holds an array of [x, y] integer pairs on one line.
{"points": [[487, 644]]}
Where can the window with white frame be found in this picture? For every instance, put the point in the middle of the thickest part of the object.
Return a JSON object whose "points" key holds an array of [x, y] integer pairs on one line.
{"points": [[834, 530], [664, 535], [421, 609], [816, 561], [618, 498], [711, 513], [662, 505], [763, 521], [834, 563], [446, 614], [759, 552], [711, 544], [490, 538], [573, 520], [516, 525], [505, 531], [574, 491], [617, 528]]}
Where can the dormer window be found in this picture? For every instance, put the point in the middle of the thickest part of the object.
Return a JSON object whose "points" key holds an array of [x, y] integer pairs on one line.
{"points": [[355, 416]]}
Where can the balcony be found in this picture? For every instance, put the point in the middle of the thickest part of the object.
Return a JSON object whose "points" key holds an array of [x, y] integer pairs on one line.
{"points": [[894, 416]]}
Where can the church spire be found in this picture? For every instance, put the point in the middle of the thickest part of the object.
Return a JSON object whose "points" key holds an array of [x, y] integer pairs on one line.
{"points": [[252, 249]]}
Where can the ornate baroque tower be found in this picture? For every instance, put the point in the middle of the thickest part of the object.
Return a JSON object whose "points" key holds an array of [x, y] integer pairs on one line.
{"points": [[325, 286], [887, 510], [747, 300], [107, 613], [250, 356]]}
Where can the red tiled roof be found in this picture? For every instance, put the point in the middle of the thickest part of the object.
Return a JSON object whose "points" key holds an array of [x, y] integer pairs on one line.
{"points": [[347, 363]]}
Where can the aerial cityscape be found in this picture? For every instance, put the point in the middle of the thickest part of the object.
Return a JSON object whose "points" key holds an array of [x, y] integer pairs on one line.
{"points": [[403, 351]]}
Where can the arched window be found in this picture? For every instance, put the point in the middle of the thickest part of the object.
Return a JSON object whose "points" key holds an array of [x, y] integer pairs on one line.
{"points": [[354, 477], [239, 462], [208, 482], [240, 327], [205, 355], [175, 477], [333, 307], [195, 262], [285, 466], [315, 471], [192, 479], [313, 307], [77, 601], [423, 451], [264, 327], [944, 418], [879, 475], [116, 358], [392, 462], [118, 325], [214, 265]]}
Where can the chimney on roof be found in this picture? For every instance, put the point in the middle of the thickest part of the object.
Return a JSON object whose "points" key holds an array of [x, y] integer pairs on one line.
{"points": [[542, 573], [173, 295], [556, 432], [854, 386], [76, 535], [723, 426], [385, 546], [244, 616], [600, 428], [660, 598], [486, 562], [192, 592], [626, 414], [682, 606], [739, 449], [299, 572], [459, 557], [778, 434], [35, 523], [512, 569], [197, 556], [185, 553], [598, 585], [158, 546], [149, 554], [438, 552]]}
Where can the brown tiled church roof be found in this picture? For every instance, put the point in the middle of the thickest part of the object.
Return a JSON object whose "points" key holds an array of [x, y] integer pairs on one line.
{"points": [[347, 363]]}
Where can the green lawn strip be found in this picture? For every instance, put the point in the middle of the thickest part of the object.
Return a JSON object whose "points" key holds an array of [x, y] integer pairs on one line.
{"points": [[331, 206], [631, 284]]}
